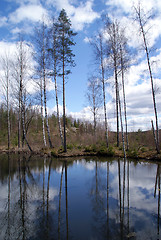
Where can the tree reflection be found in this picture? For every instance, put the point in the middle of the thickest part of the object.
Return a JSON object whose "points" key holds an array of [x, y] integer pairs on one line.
{"points": [[157, 182], [47, 201], [9, 197], [60, 195], [66, 200], [36, 200], [107, 199], [100, 204]]}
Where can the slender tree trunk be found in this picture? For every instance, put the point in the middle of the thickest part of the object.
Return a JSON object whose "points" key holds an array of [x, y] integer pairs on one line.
{"points": [[107, 199], [23, 127], [47, 200], [60, 193], [57, 105], [104, 94], [158, 222], [44, 82], [56, 90], [117, 101], [124, 176], [122, 130], [66, 198], [94, 115], [8, 114], [156, 181], [42, 115], [22, 107], [19, 120], [150, 73], [128, 196], [64, 117], [114, 49], [46, 115], [7, 93], [9, 196], [123, 88], [153, 93], [120, 197], [155, 139]]}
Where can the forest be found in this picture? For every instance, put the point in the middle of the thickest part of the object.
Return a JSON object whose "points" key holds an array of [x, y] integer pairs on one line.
{"points": [[25, 122]]}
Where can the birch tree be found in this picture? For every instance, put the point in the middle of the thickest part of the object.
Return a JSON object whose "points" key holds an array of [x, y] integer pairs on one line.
{"points": [[20, 74], [124, 97], [94, 98], [124, 64], [99, 51], [41, 56], [112, 30], [6, 79], [143, 20]]}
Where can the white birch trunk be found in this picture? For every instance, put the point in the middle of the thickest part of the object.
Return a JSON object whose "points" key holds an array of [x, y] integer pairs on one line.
{"points": [[42, 115], [123, 89], [138, 12], [122, 130], [44, 79], [104, 94]]}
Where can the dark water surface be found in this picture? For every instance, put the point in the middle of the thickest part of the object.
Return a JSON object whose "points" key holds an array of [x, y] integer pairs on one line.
{"points": [[94, 198]]}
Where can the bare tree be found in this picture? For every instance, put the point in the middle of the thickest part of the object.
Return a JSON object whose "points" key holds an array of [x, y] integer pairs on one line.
{"points": [[122, 129], [124, 97], [20, 74], [5, 78], [124, 64], [94, 98], [42, 111], [112, 29], [41, 56], [44, 42], [100, 55], [143, 20]]}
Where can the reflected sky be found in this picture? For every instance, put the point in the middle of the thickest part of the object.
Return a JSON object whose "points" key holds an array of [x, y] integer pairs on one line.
{"points": [[93, 198]]}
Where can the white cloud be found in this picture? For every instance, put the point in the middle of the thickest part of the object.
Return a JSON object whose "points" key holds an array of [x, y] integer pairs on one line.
{"points": [[28, 12], [3, 21], [9, 50], [87, 39], [50, 85], [123, 10]]}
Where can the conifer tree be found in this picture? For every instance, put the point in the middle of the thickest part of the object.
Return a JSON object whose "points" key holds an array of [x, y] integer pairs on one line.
{"points": [[65, 35]]}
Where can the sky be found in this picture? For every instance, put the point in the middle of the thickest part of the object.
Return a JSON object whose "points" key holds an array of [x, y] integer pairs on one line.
{"points": [[18, 16]]}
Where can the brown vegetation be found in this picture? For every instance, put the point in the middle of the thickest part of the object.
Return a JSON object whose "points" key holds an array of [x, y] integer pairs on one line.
{"points": [[81, 139]]}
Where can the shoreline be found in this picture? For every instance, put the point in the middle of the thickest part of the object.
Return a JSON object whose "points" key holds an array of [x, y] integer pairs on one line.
{"points": [[148, 156]]}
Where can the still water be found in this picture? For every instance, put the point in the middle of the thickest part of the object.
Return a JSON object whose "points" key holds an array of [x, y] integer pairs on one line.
{"points": [[93, 198]]}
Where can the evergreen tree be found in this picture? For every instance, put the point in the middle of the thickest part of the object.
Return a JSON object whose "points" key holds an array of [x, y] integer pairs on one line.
{"points": [[66, 55]]}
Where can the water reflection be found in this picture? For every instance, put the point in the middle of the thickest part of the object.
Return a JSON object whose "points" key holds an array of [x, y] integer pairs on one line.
{"points": [[83, 199]]}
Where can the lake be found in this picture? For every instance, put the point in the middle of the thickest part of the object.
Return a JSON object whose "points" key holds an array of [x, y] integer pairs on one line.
{"points": [[89, 198]]}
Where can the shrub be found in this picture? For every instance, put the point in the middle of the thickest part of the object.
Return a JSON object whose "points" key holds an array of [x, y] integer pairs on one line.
{"points": [[91, 148], [132, 153], [70, 146], [106, 152]]}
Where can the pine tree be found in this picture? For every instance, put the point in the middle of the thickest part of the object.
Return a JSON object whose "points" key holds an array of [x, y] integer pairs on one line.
{"points": [[66, 56]]}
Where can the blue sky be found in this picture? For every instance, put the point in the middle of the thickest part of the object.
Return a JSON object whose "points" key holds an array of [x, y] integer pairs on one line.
{"points": [[22, 15]]}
